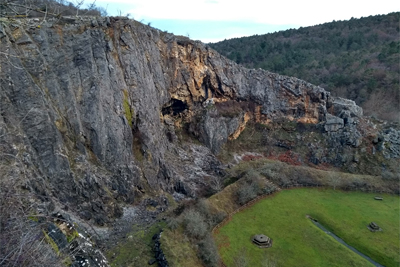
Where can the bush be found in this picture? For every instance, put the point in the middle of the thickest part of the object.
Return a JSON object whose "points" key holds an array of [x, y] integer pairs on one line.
{"points": [[219, 217], [195, 225], [247, 193], [251, 176], [42, 8], [172, 223], [21, 232], [203, 207], [268, 189], [208, 251], [390, 176]]}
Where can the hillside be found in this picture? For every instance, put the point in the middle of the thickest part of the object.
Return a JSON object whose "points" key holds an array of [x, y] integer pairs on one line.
{"points": [[356, 59]]}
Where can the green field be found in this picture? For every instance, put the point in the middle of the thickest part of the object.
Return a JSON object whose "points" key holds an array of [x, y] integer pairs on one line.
{"points": [[298, 242]]}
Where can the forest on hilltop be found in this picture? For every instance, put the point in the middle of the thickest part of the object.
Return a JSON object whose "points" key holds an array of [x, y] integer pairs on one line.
{"points": [[356, 59]]}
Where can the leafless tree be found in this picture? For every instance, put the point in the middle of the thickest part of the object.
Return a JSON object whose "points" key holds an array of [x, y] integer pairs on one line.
{"points": [[246, 193], [22, 240], [195, 224], [208, 251], [45, 8], [334, 179], [216, 183]]}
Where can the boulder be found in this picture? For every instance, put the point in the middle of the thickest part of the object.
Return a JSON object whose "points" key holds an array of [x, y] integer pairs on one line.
{"points": [[340, 104], [333, 123]]}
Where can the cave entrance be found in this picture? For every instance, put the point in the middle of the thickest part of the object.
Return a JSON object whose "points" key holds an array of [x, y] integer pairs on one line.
{"points": [[174, 107]]}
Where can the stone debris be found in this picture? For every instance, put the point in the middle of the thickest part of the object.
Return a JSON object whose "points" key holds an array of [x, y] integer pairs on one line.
{"points": [[158, 253]]}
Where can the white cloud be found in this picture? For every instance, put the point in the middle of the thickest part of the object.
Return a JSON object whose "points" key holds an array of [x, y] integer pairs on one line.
{"points": [[300, 12]]}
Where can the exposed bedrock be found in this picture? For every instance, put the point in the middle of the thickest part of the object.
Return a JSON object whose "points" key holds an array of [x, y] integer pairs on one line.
{"points": [[95, 108]]}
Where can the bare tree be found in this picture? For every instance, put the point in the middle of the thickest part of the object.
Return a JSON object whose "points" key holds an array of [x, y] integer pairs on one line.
{"points": [[216, 183], [22, 238], [334, 179], [195, 225], [44, 8], [246, 193], [208, 251]]}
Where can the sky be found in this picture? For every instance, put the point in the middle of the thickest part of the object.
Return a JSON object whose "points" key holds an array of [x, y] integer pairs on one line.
{"points": [[216, 20]]}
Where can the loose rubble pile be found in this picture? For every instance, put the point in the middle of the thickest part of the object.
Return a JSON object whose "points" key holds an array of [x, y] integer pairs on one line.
{"points": [[158, 253]]}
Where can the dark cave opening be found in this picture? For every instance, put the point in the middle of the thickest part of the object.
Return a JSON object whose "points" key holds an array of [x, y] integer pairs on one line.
{"points": [[174, 107]]}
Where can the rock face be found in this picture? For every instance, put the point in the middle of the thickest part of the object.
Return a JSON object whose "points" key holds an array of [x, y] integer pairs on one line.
{"points": [[333, 123], [389, 143], [93, 111]]}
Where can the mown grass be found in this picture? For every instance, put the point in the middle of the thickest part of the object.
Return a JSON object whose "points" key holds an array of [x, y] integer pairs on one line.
{"points": [[298, 242]]}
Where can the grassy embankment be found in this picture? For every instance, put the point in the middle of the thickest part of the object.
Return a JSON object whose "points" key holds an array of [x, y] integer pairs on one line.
{"points": [[137, 249], [298, 242]]}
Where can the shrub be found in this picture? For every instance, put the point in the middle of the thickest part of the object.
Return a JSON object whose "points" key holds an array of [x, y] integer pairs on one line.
{"points": [[219, 216], [172, 223], [247, 193], [208, 251], [203, 207], [21, 237], [195, 225], [251, 176], [267, 189], [390, 176], [216, 183]]}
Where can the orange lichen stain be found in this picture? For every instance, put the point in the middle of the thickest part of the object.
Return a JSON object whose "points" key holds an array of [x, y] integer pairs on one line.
{"points": [[289, 117], [241, 127], [17, 33], [259, 117], [308, 120], [307, 102], [257, 114], [219, 99], [59, 31]]}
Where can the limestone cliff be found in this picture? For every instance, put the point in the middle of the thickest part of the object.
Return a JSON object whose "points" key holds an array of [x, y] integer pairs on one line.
{"points": [[92, 111]]}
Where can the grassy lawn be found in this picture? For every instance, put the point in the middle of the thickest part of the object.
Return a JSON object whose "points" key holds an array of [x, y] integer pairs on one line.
{"points": [[298, 242]]}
